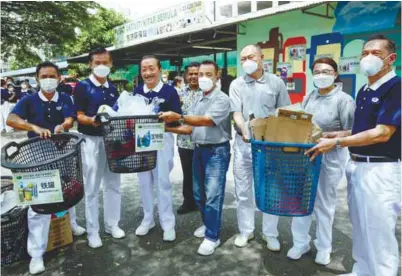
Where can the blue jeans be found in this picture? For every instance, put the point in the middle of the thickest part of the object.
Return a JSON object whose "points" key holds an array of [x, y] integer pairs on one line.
{"points": [[210, 165]]}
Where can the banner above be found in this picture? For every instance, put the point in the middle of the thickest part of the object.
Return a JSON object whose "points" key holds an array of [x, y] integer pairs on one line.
{"points": [[170, 20]]}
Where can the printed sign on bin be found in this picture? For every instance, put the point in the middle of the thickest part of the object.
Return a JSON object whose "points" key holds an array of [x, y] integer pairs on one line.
{"points": [[42, 187], [149, 136]]}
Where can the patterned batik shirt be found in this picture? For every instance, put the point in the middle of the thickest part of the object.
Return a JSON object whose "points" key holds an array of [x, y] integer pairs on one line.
{"points": [[188, 97]]}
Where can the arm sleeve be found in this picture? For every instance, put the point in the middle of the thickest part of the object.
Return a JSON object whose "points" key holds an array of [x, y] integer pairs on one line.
{"points": [[68, 108], [219, 110], [22, 108], [283, 95], [81, 97], [347, 112], [390, 111], [235, 99], [174, 102]]}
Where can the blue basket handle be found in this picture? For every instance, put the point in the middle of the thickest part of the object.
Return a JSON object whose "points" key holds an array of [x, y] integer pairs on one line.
{"points": [[4, 151], [291, 149]]}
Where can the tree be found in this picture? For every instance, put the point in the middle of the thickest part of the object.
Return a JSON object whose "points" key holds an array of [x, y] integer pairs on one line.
{"points": [[99, 32], [28, 25], [55, 29]]}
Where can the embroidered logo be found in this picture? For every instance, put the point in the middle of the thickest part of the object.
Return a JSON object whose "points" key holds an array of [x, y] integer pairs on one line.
{"points": [[374, 100], [112, 95], [59, 108]]}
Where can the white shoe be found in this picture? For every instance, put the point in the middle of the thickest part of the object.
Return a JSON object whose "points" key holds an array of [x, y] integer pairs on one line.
{"points": [[242, 240], [169, 235], [323, 258], [272, 243], [36, 266], [143, 229], [295, 252], [200, 232], [208, 247], [116, 232], [94, 240], [77, 230]]}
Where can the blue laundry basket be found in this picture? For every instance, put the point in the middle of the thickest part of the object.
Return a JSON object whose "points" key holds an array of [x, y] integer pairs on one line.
{"points": [[285, 180]]}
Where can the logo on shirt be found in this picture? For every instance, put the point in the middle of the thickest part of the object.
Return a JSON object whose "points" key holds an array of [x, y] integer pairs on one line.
{"points": [[112, 95], [59, 108], [375, 100]]}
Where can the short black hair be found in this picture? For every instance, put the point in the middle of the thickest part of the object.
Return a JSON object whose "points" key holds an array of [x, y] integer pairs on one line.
{"points": [[98, 51], [192, 64], [158, 62], [3, 82], [10, 78], [391, 48], [47, 64], [210, 62]]}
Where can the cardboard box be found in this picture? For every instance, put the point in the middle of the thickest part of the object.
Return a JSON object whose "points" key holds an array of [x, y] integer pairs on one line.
{"points": [[60, 233], [296, 115], [287, 130]]}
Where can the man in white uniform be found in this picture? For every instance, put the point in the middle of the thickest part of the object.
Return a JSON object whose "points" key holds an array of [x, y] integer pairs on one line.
{"points": [[374, 171], [260, 94]]}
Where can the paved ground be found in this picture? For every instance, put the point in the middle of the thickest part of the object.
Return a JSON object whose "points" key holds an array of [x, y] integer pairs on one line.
{"points": [[151, 256]]}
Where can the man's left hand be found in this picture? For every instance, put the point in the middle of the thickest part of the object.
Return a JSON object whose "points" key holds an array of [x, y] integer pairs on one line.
{"points": [[324, 145], [58, 129], [169, 117]]}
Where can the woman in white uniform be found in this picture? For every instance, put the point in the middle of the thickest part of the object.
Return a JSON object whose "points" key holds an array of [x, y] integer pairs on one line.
{"points": [[333, 110]]}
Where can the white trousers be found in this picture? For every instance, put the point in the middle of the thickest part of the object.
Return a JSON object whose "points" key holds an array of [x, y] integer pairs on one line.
{"points": [[159, 177], [243, 177], [5, 110], [331, 173], [96, 172], [38, 231], [374, 197]]}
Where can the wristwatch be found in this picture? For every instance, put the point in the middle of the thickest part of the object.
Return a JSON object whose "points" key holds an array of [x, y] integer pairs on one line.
{"points": [[338, 143]]}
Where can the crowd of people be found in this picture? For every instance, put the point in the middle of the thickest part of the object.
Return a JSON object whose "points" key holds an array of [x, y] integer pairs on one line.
{"points": [[361, 138]]}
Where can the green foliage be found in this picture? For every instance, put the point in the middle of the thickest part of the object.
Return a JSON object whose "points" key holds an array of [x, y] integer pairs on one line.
{"points": [[51, 27]]}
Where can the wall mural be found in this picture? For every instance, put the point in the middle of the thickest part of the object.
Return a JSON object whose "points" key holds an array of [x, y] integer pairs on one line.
{"points": [[292, 58]]}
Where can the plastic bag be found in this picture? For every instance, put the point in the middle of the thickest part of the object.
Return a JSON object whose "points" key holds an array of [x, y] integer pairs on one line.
{"points": [[137, 105]]}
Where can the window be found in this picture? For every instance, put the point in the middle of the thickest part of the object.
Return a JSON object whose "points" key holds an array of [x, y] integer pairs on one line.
{"points": [[261, 5], [244, 7]]}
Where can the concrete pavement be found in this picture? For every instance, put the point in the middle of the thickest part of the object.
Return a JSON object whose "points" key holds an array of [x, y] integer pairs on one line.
{"points": [[151, 256]]}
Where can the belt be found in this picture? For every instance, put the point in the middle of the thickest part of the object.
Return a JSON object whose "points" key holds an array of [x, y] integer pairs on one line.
{"points": [[372, 159], [211, 145]]}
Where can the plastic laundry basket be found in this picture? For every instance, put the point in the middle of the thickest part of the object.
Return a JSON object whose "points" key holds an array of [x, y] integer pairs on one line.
{"points": [[285, 180], [61, 152], [120, 144], [6, 183], [14, 234]]}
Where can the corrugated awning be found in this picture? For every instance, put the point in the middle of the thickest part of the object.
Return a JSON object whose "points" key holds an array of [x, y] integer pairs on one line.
{"points": [[205, 40]]}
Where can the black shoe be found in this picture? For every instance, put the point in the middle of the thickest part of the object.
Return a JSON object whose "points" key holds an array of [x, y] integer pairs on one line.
{"points": [[184, 209]]}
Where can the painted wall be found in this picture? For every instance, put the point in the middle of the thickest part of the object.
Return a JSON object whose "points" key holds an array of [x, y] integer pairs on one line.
{"points": [[342, 36]]}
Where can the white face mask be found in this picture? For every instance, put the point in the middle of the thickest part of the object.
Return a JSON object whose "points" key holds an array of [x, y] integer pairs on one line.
{"points": [[101, 71], [371, 65], [205, 84], [249, 66], [323, 81], [23, 86], [48, 85]]}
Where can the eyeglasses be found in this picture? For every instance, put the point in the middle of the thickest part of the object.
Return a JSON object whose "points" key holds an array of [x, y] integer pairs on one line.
{"points": [[324, 72]]}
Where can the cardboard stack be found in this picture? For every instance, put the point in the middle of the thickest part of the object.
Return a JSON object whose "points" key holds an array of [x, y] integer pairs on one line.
{"points": [[60, 233], [288, 126]]}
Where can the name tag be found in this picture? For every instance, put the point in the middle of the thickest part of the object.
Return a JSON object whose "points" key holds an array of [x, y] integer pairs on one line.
{"points": [[59, 108]]}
